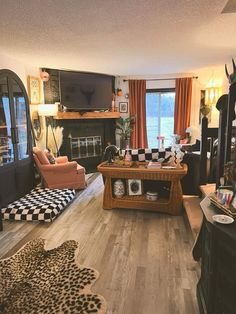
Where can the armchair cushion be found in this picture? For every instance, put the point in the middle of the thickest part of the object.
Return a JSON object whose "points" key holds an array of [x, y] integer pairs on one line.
{"points": [[61, 159], [41, 156], [60, 168]]}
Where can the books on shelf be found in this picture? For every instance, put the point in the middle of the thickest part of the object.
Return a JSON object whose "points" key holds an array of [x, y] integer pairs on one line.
{"points": [[154, 164]]}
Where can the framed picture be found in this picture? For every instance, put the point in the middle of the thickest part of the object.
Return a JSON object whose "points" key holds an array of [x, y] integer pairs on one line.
{"points": [[123, 107], [134, 187], [34, 90]]}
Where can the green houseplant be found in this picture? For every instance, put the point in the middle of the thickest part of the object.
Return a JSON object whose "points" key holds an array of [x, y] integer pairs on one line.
{"points": [[124, 127]]}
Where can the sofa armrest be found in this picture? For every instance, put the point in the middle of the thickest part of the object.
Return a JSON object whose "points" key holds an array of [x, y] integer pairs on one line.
{"points": [[60, 168], [61, 159]]}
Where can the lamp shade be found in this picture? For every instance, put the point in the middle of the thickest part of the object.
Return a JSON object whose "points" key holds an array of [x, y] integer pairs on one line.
{"points": [[212, 95], [47, 110]]}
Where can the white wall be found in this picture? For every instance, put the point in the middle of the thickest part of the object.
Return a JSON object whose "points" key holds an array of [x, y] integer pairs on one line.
{"points": [[23, 71]]}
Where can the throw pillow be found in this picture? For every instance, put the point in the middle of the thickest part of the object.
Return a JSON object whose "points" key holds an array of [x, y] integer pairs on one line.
{"points": [[41, 156], [50, 157]]}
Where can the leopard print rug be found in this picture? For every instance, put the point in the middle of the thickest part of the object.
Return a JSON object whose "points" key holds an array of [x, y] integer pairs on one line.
{"points": [[38, 281]]}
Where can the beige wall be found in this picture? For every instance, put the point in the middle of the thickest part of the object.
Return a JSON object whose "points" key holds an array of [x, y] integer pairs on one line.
{"points": [[205, 78], [22, 70]]}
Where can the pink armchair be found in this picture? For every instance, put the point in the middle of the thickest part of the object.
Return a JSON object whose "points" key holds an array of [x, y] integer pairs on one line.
{"points": [[61, 175]]}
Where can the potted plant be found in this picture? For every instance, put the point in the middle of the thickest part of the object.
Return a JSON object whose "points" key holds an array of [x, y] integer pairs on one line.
{"points": [[124, 127]]}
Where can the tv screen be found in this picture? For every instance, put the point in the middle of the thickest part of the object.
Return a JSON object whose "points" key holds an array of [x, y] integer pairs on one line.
{"points": [[85, 91]]}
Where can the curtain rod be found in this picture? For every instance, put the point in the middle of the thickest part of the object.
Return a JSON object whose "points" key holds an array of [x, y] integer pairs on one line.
{"points": [[164, 79]]}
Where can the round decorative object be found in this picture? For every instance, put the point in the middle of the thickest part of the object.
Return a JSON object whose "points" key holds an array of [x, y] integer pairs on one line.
{"points": [[44, 76], [134, 187], [119, 188], [223, 219], [151, 196], [205, 110]]}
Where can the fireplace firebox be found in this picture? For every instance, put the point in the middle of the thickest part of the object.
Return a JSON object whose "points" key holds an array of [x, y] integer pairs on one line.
{"points": [[84, 140]]}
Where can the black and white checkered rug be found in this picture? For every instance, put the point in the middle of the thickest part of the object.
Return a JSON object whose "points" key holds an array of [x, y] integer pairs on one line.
{"points": [[39, 205]]}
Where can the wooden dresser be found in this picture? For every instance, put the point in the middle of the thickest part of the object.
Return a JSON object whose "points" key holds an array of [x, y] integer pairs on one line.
{"points": [[216, 246]]}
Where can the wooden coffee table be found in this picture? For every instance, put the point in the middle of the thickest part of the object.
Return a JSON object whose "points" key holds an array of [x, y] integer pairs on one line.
{"points": [[172, 204]]}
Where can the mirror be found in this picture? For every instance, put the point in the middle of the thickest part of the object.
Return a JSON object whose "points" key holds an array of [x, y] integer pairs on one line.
{"points": [[37, 125]]}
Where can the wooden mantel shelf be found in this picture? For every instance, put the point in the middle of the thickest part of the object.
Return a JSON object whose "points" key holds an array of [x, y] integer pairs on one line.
{"points": [[87, 115]]}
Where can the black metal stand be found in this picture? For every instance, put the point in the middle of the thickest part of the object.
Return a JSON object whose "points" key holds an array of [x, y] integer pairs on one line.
{"points": [[49, 121]]}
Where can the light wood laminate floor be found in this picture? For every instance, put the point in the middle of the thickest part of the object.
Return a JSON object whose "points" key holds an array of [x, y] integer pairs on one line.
{"points": [[144, 258]]}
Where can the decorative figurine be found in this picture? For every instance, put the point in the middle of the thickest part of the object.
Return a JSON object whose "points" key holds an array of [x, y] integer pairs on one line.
{"points": [[119, 188], [231, 77]]}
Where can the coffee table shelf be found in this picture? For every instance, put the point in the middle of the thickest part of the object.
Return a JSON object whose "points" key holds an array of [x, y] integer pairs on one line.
{"points": [[171, 205]]}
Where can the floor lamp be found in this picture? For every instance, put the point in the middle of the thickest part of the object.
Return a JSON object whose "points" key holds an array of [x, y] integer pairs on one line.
{"points": [[48, 111]]}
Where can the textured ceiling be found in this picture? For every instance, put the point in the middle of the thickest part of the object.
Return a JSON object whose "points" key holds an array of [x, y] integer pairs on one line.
{"points": [[126, 37]]}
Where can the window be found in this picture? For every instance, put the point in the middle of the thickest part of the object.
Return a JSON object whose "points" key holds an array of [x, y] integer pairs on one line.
{"points": [[160, 115]]}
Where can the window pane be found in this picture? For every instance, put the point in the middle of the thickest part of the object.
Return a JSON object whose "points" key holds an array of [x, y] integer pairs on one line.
{"points": [[6, 146], [152, 119], [21, 120], [160, 117]]}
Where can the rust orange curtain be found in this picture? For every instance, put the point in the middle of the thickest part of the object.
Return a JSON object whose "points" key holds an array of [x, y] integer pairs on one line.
{"points": [[137, 103], [183, 95]]}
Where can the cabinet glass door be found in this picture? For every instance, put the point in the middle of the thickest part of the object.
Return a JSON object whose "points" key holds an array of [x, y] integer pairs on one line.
{"points": [[6, 147], [21, 121]]}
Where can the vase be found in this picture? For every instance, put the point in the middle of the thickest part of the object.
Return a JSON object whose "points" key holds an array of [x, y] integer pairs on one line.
{"points": [[119, 188]]}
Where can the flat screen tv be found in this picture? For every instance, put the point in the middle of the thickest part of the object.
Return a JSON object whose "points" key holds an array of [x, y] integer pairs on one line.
{"points": [[82, 91]]}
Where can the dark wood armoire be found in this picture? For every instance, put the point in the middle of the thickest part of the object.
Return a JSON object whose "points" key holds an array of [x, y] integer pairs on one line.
{"points": [[16, 162]]}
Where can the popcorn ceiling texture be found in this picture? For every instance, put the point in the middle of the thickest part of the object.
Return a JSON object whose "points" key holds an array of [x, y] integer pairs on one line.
{"points": [[133, 37]]}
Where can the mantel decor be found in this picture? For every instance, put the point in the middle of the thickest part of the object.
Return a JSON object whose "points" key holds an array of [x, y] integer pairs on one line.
{"points": [[34, 90], [123, 107]]}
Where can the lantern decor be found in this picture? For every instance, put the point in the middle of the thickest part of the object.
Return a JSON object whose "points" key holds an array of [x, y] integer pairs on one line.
{"points": [[213, 93]]}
